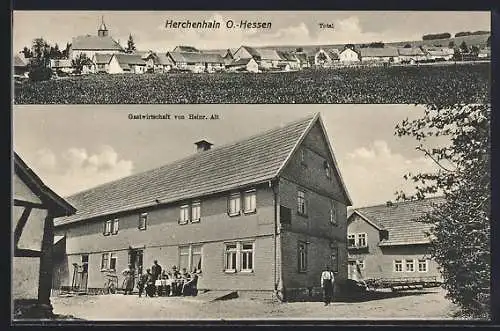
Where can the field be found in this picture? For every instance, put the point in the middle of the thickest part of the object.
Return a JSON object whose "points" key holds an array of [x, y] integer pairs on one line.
{"points": [[426, 305], [447, 83]]}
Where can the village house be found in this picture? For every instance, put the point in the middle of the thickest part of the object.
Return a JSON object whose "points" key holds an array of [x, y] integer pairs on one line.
{"points": [[196, 62], [61, 65], [381, 55], [90, 44], [261, 216], [303, 60], [388, 243], [267, 59], [439, 54], [35, 207], [411, 55], [100, 62], [226, 54], [243, 65], [289, 61], [127, 63], [326, 58], [484, 53], [348, 56]]}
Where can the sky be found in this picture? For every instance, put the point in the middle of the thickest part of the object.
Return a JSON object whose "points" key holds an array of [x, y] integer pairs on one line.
{"points": [[287, 27], [77, 147]]}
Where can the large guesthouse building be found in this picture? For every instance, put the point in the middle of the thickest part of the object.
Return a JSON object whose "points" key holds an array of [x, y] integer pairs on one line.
{"points": [[261, 216]]}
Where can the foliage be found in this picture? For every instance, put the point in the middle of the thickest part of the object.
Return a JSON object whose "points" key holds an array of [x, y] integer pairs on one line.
{"points": [[451, 44], [444, 35], [463, 47], [407, 46], [130, 44], [468, 33], [460, 232], [395, 84], [39, 73], [377, 44], [27, 52], [79, 62]]}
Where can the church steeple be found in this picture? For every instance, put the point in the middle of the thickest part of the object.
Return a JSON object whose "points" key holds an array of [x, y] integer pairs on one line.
{"points": [[103, 31]]}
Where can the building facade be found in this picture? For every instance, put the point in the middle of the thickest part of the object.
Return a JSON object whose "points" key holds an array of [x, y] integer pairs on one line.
{"points": [[254, 220], [388, 243]]}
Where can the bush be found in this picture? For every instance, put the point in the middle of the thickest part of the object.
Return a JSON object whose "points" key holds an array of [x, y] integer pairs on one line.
{"points": [[40, 73]]}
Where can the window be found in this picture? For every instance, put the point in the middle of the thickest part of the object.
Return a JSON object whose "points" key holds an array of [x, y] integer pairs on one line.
{"points": [[104, 261], [351, 240], [195, 211], [301, 203], [410, 265], [107, 228], [234, 204], [112, 261], [361, 240], [230, 258], [115, 226], [333, 213], [302, 256], [184, 216], [190, 257], [422, 265], [250, 201], [247, 257], [335, 259], [184, 257], [85, 263], [398, 265], [143, 219]]}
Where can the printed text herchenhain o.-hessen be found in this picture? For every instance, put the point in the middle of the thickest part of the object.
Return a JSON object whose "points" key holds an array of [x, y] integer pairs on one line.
{"points": [[229, 24]]}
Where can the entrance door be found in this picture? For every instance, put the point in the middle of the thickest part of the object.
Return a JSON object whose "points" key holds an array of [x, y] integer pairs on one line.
{"points": [[135, 258], [85, 272]]}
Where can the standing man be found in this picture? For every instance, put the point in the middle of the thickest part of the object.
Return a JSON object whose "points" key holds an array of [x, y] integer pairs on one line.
{"points": [[327, 281], [156, 270]]}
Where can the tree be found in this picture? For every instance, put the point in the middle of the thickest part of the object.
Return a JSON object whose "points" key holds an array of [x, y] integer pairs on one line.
{"points": [[488, 42], [130, 44], [451, 44], [27, 52], [350, 46], [474, 50], [463, 47], [460, 231], [299, 50], [79, 62], [407, 46], [41, 51], [444, 35], [377, 44], [66, 50]]}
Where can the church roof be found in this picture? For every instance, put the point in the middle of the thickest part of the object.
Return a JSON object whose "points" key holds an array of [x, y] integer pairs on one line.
{"points": [[95, 43]]}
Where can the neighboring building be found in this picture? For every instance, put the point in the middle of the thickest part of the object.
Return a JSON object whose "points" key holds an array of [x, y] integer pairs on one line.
{"points": [[89, 45], [260, 216], [101, 62], [348, 56], [61, 65], [411, 55], [248, 65], [226, 54], [383, 55], [127, 63], [303, 60], [388, 242], [35, 206], [443, 54], [484, 53], [326, 58], [289, 61], [21, 65], [196, 62], [266, 58]]}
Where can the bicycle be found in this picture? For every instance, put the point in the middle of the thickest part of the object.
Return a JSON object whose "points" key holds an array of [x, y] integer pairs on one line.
{"points": [[111, 283]]}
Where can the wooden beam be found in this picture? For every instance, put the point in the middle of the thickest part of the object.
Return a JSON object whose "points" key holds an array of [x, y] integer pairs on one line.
{"points": [[45, 275], [18, 252], [29, 204], [20, 225]]}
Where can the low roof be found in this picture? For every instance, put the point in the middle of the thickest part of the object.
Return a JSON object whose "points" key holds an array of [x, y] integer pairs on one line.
{"points": [[100, 58], [400, 220], [57, 205], [95, 43], [378, 52], [189, 49], [162, 59], [126, 60], [195, 57], [269, 54], [254, 160], [287, 56], [252, 51], [411, 51], [240, 62], [440, 51]]}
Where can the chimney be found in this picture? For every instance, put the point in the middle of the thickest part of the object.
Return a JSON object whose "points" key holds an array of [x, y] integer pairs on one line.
{"points": [[389, 203], [202, 145]]}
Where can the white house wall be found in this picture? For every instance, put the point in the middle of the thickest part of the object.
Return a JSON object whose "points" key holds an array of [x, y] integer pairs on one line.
{"points": [[114, 66]]}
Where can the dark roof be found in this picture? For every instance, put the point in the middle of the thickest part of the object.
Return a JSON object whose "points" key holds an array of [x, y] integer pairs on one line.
{"points": [[252, 51], [58, 206], [302, 57], [412, 51], [239, 62], [127, 60], [248, 162], [400, 220], [189, 49], [287, 56], [95, 43], [100, 58], [195, 57]]}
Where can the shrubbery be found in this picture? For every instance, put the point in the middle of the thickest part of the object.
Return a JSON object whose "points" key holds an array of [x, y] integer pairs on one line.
{"points": [[39, 73]]}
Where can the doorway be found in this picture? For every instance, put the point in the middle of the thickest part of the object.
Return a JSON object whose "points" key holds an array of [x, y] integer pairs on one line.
{"points": [[135, 258]]}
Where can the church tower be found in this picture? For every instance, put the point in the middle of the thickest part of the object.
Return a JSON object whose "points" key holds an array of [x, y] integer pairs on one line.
{"points": [[103, 31]]}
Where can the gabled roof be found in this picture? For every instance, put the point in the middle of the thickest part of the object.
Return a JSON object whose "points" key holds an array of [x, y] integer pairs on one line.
{"points": [[254, 160], [302, 57], [240, 62], [378, 52], [400, 220], [195, 57], [95, 43], [100, 58], [440, 51], [58, 206], [411, 51], [287, 56], [252, 51], [162, 59], [269, 54], [127, 60]]}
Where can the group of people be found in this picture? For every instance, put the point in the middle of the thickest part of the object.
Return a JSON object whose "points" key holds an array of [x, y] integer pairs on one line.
{"points": [[158, 282]]}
